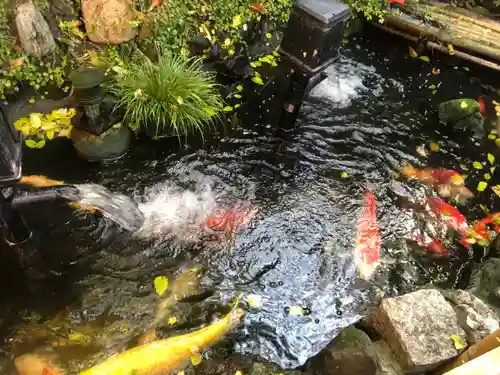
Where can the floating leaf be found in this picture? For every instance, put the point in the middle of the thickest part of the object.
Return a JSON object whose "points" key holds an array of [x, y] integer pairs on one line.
{"points": [[304, 54], [237, 96], [434, 147], [196, 359], [484, 209], [413, 53], [492, 170], [257, 80], [492, 136], [451, 51], [32, 100], [161, 284], [238, 373], [50, 134], [172, 320], [344, 175], [40, 144], [464, 167], [296, 310], [466, 69], [482, 186], [458, 342], [463, 104], [497, 141], [269, 35], [425, 58], [491, 158], [496, 189], [477, 165], [254, 301], [487, 176], [227, 108], [181, 372], [227, 42], [236, 20], [239, 88]]}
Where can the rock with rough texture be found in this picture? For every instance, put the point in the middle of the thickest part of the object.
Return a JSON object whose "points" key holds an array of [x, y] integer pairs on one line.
{"points": [[418, 327], [387, 363], [485, 283], [474, 316], [246, 365], [34, 32], [350, 353], [109, 21]]}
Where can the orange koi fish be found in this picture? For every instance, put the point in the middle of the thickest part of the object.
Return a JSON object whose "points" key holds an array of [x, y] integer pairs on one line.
{"points": [[449, 215], [368, 242], [433, 245], [32, 364], [433, 176], [233, 219], [258, 7]]}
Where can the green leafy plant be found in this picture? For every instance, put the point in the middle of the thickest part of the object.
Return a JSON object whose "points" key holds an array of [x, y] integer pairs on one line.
{"points": [[174, 94], [39, 127], [371, 9], [5, 36]]}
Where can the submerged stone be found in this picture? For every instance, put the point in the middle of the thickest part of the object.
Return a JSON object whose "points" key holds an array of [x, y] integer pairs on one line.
{"points": [[387, 364], [463, 114], [485, 283], [350, 353], [474, 316], [418, 327]]}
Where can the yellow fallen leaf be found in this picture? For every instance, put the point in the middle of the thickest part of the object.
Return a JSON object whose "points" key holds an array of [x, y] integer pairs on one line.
{"points": [[196, 359], [227, 108], [236, 20], [181, 372], [434, 147], [458, 342], [161, 284], [477, 165], [238, 373], [466, 69], [496, 189], [257, 80], [425, 58], [344, 175], [487, 176], [254, 301], [491, 158], [492, 136], [296, 310], [497, 141], [463, 104], [451, 51], [484, 209], [172, 320], [482, 186], [463, 167]]}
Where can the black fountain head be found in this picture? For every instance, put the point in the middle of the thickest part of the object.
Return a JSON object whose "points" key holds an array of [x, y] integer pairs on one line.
{"points": [[314, 34], [86, 84], [10, 151]]}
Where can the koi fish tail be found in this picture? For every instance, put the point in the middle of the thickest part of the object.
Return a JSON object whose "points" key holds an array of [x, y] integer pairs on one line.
{"points": [[409, 171]]}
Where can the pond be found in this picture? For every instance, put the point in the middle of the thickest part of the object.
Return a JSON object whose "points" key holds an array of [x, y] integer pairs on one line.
{"points": [[355, 131]]}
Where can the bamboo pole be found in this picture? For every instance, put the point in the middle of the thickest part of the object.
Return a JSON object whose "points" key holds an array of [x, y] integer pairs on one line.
{"points": [[488, 344], [433, 45], [419, 29]]}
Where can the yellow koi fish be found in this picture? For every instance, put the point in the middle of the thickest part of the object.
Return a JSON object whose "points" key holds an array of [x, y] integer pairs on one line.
{"points": [[166, 356]]}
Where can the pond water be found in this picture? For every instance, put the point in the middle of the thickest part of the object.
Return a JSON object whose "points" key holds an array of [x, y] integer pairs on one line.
{"points": [[366, 120]]}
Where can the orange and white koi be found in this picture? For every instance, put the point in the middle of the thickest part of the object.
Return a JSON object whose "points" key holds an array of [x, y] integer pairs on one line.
{"points": [[449, 215], [232, 220], [433, 245], [368, 242]]}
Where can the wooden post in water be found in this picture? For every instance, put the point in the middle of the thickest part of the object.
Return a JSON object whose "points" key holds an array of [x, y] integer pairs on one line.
{"points": [[489, 344]]}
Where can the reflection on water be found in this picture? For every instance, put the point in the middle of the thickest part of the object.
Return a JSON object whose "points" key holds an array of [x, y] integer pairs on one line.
{"points": [[355, 130]]}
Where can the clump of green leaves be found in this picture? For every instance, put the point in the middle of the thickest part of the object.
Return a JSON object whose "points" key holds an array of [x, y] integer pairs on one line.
{"points": [[173, 94], [371, 9], [39, 127], [5, 36]]}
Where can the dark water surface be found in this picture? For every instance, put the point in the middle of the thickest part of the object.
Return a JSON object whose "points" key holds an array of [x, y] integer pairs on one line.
{"points": [[298, 249]]}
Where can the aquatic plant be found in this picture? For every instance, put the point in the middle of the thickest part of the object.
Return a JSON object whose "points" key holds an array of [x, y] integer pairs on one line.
{"points": [[370, 9], [38, 127], [173, 94]]}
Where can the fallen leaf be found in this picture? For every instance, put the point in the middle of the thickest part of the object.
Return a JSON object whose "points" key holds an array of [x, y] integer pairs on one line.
{"points": [[238, 373], [463, 167], [477, 165], [451, 51], [492, 136], [296, 310], [422, 151], [458, 342], [482, 186], [413, 53], [236, 20], [425, 58], [254, 301], [434, 147], [497, 141], [257, 80], [172, 320], [496, 189], [239, 88], [161, 284], [196, 359], [484, 209], [466, 69], [463, 104], [344, 175], [491, 158], [487, 176], [227, 108]]}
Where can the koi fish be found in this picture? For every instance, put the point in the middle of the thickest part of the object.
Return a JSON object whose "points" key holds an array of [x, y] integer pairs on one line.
{"points": [[258, 7], [166, 356], [39, 181], [433, 245], [401, 2], [233, 219], [154, 4], [482, 105], [32, 364], [449, 215], [367, 248]]}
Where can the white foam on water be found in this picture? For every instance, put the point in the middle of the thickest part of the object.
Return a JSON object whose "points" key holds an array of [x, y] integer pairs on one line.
{"points": [[345, 82], [172, 212]]}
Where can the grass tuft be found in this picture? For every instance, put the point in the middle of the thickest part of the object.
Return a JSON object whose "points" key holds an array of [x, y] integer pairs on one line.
{"points": [[174, 95]]}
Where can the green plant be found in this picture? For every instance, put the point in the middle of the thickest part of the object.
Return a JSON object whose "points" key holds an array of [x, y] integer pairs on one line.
{"points": [[175, 95], [371, 9], [5, 36], [38, 127]]}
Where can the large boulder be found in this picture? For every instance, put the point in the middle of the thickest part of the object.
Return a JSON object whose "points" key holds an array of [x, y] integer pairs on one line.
{"points": [[419, 328], [350, 353], [473, 315], [109, 21], [386, 362], [34, 32]]}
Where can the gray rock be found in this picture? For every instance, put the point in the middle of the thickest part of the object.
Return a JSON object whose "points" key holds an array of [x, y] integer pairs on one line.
{"points": [[485, 283], [34, 32], [386, 361], [222, 365], [474, 316], [418, 328], [350, 353]]}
